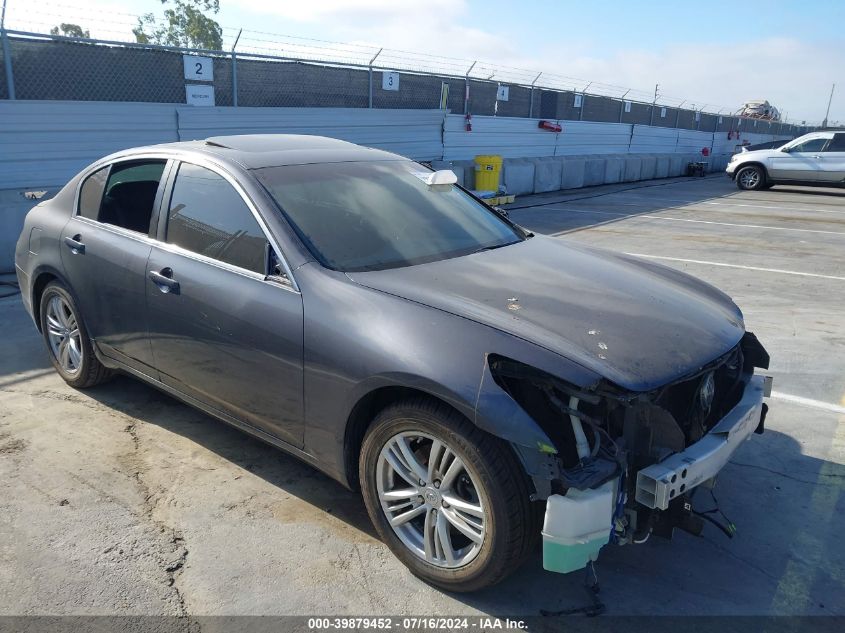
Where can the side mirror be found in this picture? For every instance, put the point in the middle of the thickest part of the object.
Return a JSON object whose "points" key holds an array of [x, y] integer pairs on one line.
{"points": [[273, 264]]}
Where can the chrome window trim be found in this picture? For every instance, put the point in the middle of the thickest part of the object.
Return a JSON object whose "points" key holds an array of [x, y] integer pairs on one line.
{"points": [[178, 250], [199, 161]]}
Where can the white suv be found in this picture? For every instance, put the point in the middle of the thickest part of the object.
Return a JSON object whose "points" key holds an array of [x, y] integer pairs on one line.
{"points": [[815, 159]]}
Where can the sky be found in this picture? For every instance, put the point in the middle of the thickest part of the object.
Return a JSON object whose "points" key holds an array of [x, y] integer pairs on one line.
{"points": [[711, 54]]}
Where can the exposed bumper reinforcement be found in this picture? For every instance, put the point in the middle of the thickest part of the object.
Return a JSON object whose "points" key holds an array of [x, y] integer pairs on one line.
{"points": [[659, 483]]}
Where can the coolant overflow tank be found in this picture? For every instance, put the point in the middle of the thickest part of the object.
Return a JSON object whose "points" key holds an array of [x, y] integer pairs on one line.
{"points": [[576, 527]]}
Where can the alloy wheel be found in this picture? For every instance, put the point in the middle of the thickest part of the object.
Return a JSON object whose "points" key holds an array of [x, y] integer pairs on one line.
{"points": [[431, 499], [749, 178], [63, 335]]}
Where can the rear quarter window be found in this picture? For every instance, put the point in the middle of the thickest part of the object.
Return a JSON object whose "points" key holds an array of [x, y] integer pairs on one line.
{"points": [[91, 194]]}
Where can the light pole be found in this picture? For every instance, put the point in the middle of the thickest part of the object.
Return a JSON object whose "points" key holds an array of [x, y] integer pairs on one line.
{"points": [[827, 114]]}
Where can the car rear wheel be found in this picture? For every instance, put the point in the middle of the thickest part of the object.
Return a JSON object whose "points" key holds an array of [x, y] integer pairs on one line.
{"points": [[450, 500], [67, 339], [751, 178]]}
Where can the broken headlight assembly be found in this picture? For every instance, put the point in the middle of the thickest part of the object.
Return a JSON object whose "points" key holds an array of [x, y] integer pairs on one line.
{"points": [[626, 464]]}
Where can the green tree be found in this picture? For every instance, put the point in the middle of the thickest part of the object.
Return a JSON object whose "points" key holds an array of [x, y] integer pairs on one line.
{"points": [[185, 24], [69, 30]]}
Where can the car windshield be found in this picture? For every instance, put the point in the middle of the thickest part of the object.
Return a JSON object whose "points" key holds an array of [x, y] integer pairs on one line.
{"points": [[360, 216]]}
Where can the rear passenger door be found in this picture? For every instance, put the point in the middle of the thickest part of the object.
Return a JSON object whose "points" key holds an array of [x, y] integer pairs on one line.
{"points": [[833, 160], [105, 246], [225, 322]]}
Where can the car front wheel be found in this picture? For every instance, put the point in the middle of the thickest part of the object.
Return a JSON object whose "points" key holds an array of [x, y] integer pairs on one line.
{"points": [[450, 500], [751, 178], [67, 339]]}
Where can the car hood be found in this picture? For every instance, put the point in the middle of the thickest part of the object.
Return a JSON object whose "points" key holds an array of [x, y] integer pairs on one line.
{"points": [[760, 154], [638, 324]]}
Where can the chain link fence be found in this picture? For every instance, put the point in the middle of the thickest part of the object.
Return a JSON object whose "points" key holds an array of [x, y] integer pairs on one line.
{"points": [[36, 66]]}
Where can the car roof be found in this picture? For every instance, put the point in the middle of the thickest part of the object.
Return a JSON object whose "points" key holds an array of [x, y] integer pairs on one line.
{"points": [[255, 151]]}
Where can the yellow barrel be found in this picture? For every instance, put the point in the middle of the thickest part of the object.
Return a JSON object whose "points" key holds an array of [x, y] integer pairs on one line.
{"points": [[487, 172]]}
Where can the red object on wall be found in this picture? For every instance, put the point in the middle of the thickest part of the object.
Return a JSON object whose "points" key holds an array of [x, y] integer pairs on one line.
{"points": [[468, 122], [705, 151], [551, 127]]}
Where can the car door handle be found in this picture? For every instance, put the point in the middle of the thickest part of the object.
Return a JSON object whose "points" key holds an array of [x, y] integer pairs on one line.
{"points": [[164, 280], [817, 156], [76, 247]]}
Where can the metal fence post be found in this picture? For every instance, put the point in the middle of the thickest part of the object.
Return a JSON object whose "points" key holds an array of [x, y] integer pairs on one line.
{"points": [[370, 98], [235, 72], [531, 97], [622, 109], [7, 55], [466, 88]]}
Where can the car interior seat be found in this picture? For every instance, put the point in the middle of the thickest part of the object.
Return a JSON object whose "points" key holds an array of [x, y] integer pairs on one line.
{"points": [[130, 205]]}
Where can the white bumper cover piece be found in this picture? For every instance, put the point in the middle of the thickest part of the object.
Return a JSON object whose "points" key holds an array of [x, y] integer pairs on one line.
{"points": [[659, 483]]}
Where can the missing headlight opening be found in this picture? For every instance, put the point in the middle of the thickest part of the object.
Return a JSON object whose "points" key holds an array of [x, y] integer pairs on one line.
{"points": [[627, 464]]}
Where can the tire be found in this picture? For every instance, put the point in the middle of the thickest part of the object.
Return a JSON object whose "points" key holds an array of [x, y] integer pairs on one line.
{"points": [[488, 478], [72, 355], [751, 178]]}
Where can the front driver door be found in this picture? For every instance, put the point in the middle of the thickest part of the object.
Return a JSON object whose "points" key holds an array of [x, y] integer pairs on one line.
{"points": [[801, 162], [223, 328]]}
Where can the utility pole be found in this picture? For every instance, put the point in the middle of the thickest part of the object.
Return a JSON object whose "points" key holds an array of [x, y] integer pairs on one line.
{"points": [[827, 114]]}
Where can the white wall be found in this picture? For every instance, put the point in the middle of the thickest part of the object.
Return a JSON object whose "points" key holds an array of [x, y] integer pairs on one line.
{"points": [[412, 133], [44, 143], [522, 138]]}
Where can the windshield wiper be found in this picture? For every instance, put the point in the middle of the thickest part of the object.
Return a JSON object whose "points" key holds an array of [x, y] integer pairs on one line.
{"points": [[490, 248]]}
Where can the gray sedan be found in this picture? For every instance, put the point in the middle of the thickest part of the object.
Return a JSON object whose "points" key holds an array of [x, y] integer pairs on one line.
{"points": [[483, 386]]}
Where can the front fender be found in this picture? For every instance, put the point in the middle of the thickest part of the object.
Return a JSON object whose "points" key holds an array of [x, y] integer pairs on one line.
{"points": [[358, 340]]}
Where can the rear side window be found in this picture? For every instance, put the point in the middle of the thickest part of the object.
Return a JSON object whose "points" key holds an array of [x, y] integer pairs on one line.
{"points": [[207, 216], [130, 195], [91, 194], [837, 144]]}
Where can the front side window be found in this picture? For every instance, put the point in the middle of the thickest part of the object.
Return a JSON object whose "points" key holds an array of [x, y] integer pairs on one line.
{"points": [[812, 145], [207, 216], [360, 216], [130, 194]]}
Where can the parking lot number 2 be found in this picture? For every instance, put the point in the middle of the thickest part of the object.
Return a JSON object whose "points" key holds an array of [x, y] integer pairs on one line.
{"points": [[198, 68]]}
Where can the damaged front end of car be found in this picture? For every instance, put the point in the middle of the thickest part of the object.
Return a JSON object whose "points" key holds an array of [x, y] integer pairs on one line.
{"points": [[619, 466]]}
